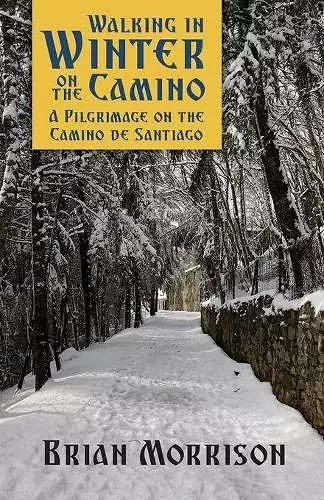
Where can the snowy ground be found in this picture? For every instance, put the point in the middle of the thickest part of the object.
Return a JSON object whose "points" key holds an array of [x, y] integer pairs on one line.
{"points": [[164, 381]]}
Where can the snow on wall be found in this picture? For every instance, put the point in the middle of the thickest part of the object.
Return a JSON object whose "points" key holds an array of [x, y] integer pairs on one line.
{"points": [[279, 303]]}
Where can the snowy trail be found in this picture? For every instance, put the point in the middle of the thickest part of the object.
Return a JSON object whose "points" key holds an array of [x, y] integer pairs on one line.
{"points": [[165, 381]]}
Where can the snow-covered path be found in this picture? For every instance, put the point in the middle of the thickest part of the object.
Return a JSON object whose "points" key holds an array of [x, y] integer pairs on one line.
{"points": [[165, 381]]}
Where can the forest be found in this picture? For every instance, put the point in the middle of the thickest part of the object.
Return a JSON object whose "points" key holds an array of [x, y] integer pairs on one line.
{"points": [[88, 238]]}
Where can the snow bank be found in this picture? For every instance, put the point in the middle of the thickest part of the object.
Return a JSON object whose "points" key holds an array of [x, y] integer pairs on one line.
{"points": [[215, 303], [315, 299], [279, 303], [69, 354]]}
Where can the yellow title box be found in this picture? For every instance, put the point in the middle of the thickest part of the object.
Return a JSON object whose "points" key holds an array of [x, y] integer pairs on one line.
{"points": [[127, 75]]}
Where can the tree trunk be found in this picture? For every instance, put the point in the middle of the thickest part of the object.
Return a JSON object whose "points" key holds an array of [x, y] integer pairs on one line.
{"points": [[8, 192], [41, 352], [138, 302], [128, 310], [286, 213], [84, 240], [152, 302], [208, 160], [157, 300]]}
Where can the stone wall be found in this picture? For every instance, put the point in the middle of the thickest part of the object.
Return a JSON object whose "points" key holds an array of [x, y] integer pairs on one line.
{"points": [[284, 347]]}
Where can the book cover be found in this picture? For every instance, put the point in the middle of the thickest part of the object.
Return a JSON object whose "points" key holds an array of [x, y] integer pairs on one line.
{"points": [[161, 250]]}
